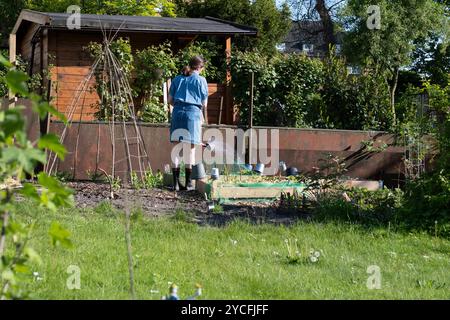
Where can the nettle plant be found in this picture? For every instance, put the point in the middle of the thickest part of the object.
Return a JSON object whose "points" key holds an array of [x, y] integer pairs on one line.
{"points": [[154, 65], [18, 158]]}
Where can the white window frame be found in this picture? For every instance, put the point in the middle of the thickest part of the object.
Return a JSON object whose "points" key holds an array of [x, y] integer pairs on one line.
{"points": [[308, 47], [281, 47], [354, 70]]}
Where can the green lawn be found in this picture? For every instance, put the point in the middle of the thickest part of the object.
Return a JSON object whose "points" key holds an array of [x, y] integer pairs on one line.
{"points": [[240, 261]]}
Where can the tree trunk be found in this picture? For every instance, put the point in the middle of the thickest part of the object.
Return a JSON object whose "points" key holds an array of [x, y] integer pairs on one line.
{"points": [[393, 90], [327, 23]]}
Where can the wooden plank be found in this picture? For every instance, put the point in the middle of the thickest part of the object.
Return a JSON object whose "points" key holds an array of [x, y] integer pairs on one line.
{"points": [[67, 102], [86, 95], [72, 84], [85, 117], [249, 193], [229, 112], [73, 55], [363, 184], [228, 58], [219, 118], [216, 94], [44, 59], [216, 86], [75, 63], [73, 70], [12, 48], [71, 80]]}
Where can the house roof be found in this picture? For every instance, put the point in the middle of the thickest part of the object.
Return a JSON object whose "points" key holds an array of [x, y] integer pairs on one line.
{"points": [[308, 32], [207, 25]]}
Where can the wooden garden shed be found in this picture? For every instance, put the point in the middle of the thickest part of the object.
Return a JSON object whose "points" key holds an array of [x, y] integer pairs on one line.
{"points": [[44, 39]]}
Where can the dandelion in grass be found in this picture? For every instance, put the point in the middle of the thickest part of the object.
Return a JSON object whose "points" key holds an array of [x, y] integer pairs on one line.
{"points": [[37, 276], [314, 255], [393, 254]]}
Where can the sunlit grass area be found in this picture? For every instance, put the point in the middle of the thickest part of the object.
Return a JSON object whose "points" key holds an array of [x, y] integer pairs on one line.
{"points": [[239, 261]]}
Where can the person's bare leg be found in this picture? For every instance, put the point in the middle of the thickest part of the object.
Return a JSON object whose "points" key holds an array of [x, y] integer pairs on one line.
{"points": [[188, 169], [175, 159]]}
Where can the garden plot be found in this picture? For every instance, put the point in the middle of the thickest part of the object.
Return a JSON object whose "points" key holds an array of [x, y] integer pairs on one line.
{"points": [[191, 205]]}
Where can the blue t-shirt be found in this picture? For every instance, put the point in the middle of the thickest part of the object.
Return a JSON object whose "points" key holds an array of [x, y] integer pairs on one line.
{"points": [[191, 89]]}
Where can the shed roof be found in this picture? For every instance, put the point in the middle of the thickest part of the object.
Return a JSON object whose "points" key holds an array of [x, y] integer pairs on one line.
{"points": [[207, 25]]}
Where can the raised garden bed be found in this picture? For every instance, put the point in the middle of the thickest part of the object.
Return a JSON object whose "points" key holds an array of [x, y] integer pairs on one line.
{"points": [[259, 187], [247, 187]]}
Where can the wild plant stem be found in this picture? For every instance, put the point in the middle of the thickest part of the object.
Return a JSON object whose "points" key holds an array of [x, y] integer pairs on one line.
{"points": [[4, 225], [129, 251], [3, 233]]}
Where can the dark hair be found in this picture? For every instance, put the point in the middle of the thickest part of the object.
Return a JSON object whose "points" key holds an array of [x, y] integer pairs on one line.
{"points": [[195, 63]]}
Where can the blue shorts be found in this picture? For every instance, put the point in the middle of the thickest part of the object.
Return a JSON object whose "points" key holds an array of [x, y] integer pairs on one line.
{"points": [[186, 124]]}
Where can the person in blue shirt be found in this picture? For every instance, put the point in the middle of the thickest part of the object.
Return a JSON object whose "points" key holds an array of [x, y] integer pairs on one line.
{"points": [[188, 95]]}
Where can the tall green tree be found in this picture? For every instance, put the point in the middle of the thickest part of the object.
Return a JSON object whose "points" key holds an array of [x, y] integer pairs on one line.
{"points": [[432, 60], [389, 47], [137, 8], [113, 7], [432, 55], [273, 23], [9, 11]]}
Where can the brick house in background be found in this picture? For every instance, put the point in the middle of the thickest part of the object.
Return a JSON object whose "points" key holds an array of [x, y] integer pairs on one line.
{"points": [[307, 37]]}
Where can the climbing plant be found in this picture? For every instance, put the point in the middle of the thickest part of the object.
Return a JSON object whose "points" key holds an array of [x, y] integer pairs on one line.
{"points": [[154, 65]]}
